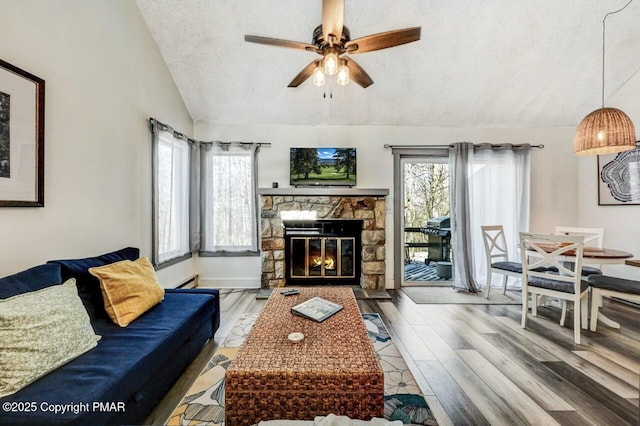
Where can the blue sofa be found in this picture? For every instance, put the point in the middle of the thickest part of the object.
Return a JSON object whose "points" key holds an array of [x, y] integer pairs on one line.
{"points": [[124, 377]]}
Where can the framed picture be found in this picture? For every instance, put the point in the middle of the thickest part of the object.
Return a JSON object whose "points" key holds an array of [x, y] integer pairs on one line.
{"points": [[21, 138], [619, 178]]}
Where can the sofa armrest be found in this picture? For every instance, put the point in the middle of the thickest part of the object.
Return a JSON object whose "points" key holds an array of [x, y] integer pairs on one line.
{"points": [[208, 291]]}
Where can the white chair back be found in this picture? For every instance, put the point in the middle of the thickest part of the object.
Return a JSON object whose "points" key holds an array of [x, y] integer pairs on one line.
{"points": [[495, 244], [495, 248], [593, 237], [550, 250]]}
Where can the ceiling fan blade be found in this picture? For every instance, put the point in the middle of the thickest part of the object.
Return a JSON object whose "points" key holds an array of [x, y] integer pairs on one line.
{"points": [[383, 40], [280, 43], [304, 74], [332, 20], [357, 74]]}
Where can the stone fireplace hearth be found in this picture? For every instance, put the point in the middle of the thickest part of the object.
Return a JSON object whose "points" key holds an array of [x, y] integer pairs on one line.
{"points": [[278, 205]]}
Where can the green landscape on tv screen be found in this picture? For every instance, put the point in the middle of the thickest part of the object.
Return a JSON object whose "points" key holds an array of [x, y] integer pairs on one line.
{"points": [[322, 167]]}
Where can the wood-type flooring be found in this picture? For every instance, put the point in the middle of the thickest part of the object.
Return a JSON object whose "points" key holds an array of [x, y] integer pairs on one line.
{"points": [[477, 366]]}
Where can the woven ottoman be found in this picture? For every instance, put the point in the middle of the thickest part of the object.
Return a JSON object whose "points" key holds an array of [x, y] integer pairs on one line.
{"points": [[333, 370]]}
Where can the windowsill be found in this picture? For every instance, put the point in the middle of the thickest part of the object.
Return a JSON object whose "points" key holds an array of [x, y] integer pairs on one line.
{"points": [[228, 253], [171, 262]]}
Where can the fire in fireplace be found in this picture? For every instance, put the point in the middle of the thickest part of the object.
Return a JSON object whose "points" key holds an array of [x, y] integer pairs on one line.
{"points": [[322, 252], [322, 256]]}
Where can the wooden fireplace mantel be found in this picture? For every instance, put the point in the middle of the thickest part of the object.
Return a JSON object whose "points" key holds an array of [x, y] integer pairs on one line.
{"points": [[326, 191]]}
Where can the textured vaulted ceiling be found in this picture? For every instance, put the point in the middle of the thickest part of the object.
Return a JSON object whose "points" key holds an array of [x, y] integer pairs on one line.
{"points": [[490, 63]]}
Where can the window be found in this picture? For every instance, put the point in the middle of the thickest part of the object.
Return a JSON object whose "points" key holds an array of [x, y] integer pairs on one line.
{"points": [[229, 194], [171, 194], [204, 197]]}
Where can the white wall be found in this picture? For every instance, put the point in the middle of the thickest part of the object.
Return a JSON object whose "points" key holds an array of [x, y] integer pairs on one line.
{"points": [[621, 224], [104, 78], [554, 170]]}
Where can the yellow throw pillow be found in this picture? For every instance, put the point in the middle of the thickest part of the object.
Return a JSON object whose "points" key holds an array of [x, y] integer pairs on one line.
{"points": [[129, 288]]}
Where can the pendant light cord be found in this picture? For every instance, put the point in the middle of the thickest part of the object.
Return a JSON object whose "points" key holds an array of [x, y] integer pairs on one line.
{"points": [[603, 38]]}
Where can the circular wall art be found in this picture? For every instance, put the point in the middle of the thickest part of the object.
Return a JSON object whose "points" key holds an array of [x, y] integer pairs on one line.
{"points": [[619, 178]]}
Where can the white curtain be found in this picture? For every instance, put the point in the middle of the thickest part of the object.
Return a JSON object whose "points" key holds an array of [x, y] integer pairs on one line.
{"points": [[171, 195], [498, 193], [228, 188]]}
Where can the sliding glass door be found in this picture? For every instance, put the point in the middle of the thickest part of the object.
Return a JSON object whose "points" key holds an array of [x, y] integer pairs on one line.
{"points": [[487, 176], [425, 225]]}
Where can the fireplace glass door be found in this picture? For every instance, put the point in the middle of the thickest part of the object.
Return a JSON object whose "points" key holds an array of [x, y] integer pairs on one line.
{"points": [[322, 257]]}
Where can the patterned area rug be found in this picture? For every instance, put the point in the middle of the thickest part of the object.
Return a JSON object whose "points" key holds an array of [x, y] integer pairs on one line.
{"points": [[204, 402]]}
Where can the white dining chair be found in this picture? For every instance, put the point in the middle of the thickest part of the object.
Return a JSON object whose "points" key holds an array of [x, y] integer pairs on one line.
{"points": [[546, 274], [495, 248], [593, 237]]}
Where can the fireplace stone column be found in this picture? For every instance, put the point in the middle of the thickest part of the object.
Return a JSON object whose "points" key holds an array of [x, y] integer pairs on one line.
{"points": [[370, 209]]}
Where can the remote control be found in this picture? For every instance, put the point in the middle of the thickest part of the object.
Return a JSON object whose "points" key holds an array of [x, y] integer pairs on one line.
{"points": [[290, 292]]}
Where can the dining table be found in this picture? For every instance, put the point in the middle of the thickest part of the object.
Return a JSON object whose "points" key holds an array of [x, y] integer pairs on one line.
{"points": [[591, 256]]}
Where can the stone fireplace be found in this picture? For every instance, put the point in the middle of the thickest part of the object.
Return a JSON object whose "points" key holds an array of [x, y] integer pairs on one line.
{"points": [[288, 206]]}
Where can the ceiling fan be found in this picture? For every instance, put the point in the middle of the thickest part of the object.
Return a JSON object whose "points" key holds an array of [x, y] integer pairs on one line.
{"points": [[332, 41]]}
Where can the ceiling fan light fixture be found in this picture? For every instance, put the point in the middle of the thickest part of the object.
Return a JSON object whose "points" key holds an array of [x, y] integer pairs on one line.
{"points": [[332, 41], [331, 63], [342, 78], [318, 77]]}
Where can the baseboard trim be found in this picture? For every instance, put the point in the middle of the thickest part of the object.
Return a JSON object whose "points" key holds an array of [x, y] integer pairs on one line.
{"points": [[229, 283], [190, 282]]}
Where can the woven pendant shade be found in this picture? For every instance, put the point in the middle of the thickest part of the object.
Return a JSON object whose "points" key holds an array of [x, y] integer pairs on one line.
{"points": [[604, 131]]}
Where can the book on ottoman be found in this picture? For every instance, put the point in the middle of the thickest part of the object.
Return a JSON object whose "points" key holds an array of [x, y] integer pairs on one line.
{"points": [[317, 309]]}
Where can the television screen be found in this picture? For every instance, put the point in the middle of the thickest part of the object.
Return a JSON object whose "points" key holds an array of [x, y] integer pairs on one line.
{"points": [[322, 167]]}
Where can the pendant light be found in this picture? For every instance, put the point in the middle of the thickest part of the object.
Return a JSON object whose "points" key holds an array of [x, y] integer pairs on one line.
{"points": [[605, 130]]}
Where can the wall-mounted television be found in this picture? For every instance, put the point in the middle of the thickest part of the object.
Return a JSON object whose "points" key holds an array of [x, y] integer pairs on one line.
{"points": [[322, 167]]}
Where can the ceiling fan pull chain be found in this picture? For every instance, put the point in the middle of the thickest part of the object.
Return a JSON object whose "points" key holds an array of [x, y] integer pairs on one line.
{"points": [[324, 94]]}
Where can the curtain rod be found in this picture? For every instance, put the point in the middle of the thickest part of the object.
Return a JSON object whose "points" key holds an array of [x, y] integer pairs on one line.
{"points": [[177, 134], [478, 145], [236, 143]]}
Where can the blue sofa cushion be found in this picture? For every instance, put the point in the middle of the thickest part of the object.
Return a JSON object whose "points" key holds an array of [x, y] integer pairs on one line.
{"points": [[615, 284], [32, 279], [123, 362], [215, 321], [88, 285]]}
